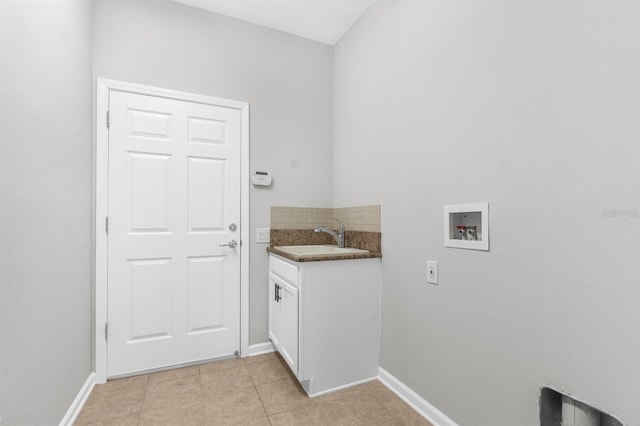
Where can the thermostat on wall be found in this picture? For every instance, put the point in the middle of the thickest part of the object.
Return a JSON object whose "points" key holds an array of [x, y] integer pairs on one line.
{"points": [[261, 178]]}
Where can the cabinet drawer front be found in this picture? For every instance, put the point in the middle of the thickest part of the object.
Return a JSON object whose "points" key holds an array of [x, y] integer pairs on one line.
{"points": [[284, 269]]}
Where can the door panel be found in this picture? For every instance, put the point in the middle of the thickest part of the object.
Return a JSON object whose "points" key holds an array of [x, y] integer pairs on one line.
{"points": [[206, 196], [150, 289], [174, 188], [206, 311], [206, 130], [150, 192], [149, 124]]}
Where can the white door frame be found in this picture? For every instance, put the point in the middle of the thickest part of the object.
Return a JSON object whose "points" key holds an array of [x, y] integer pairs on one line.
{"points": [[101, 207]]}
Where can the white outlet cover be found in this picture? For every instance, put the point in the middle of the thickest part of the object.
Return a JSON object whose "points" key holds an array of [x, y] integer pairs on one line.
{"points": [[263, 235], [432, 272]]}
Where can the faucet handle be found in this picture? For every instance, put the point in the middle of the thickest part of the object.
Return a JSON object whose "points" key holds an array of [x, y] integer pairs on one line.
{"points": [[341, 225]]}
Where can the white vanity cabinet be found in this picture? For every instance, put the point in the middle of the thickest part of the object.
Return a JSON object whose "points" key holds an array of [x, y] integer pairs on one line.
{"points": [[324, 319]]}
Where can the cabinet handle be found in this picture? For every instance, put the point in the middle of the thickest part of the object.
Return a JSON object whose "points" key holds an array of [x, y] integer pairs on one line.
{"points": [[278, 297]]}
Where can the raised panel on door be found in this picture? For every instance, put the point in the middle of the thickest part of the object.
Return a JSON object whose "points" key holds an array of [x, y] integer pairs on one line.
{"points": [[206, 130], [149, 192], [206, 294], [206, 202], [150, 299], [149, 124]]}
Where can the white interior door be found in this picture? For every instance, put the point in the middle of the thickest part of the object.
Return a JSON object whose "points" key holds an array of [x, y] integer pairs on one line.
{"points": [[173, 203]]}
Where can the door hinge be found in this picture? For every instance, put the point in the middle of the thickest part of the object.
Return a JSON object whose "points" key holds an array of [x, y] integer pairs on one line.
{"points": [[108, 122], [106, 224], [106, 331]]}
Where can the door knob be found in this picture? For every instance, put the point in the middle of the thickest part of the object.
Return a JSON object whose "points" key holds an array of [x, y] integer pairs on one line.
{"points": [[230, 244]]}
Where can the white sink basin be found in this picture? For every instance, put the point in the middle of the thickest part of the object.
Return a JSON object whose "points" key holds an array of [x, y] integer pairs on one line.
{"points": [[320, 250]]}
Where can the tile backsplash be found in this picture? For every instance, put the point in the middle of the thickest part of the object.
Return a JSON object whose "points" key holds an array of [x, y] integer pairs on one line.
{"points": [[361, 218], [299, 217]]}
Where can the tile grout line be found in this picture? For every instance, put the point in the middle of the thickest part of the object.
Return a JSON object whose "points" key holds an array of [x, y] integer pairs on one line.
{"points": [[255, 388], [144, 397]]}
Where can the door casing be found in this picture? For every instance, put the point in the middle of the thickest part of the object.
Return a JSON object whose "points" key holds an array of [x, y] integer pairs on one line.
{"points": [[104, 86]]}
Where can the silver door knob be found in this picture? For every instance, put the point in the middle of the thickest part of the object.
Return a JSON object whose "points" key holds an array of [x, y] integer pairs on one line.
{"points": [[230, 244]]}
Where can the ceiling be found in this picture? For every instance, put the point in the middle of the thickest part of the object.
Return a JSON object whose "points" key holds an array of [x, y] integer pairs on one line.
{"points": [[325, 21]]}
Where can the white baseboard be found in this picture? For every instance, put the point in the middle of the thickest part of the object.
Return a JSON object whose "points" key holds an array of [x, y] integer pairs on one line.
{"points": [[422, 406], [260, 348], [78, 402]]}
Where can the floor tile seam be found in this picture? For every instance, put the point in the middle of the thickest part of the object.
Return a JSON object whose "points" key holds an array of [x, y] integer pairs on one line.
{"points": [[217, 370], [173, 378], [100, 393], [224, 369], [245, 360], [108, 415], [269, 380], [207, 393], [258, 363], [253, 381], [204, 393], [233, 360], [146, 392], [204, 390], [264, 407], [269, 418], [144, 398], [294, 410], [276, 413], [103, 403], [386, 414], [262, 383], [251, 360], [106, 404], [275, 381]]}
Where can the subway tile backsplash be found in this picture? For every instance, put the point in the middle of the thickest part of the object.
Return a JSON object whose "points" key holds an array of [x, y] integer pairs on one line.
{"points": [[361, 218]]}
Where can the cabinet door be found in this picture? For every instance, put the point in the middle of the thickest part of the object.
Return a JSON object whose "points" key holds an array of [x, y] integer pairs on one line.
{"points": [[275, 314], [289, 331]]}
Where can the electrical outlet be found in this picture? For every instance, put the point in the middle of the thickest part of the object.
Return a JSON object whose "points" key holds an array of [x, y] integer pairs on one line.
{"points": [[432, 272], [263, 235]]}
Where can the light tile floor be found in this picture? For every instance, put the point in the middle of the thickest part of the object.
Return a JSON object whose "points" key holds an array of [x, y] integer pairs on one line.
{"points": [[256, 391]]}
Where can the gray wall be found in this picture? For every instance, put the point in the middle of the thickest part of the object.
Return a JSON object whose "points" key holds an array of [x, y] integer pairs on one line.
{"points": [[532, 106], [286, 80], [45, 207]]}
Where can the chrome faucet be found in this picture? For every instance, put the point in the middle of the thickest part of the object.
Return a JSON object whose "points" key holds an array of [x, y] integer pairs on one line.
{"points": [[339, 237]]}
